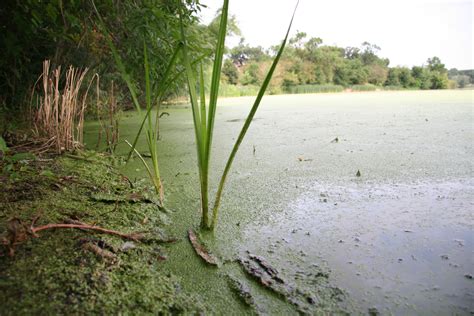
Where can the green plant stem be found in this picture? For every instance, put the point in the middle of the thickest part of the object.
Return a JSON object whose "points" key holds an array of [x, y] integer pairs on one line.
{"points": [[253, 110], [198, 130], [150, 173]]}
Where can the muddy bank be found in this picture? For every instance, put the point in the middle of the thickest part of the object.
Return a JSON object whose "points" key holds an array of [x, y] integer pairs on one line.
{"points": [[77, 271]]}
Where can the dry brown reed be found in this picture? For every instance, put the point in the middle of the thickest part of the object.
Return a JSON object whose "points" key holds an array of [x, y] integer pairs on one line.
{"points": [[61, 105]]}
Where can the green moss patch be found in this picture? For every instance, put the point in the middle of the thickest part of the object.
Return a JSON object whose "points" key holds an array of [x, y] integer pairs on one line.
{"points": [[55, 272]]}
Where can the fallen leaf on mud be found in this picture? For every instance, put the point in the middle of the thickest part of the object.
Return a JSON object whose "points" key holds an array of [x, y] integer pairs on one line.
{"points": [[200, 250], [16, 234]]}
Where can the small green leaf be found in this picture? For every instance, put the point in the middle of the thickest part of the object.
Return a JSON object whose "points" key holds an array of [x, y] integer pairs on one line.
{"points": [[3, 145], [23, 156], [47, 173]]}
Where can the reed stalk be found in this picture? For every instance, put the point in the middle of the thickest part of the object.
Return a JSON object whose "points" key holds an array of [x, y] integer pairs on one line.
{"points": [[204, 117], [60, 112]]}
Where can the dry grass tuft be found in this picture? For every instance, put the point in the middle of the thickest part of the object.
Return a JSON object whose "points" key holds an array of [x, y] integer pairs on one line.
{"points": [[59, 115]]}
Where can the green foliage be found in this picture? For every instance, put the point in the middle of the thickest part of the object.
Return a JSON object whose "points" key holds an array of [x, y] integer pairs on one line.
{"points": [[3, 145], [435, 65], [68, 33], [314, 88], [230, 72], [251, 75], [204, 116], [243, 52], [364, 87], [350, 72], [461, 80], [230, 90], [438, 80]]}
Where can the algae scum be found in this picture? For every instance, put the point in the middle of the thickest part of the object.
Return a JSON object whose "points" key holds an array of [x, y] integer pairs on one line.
{"points": [[357, 203]]}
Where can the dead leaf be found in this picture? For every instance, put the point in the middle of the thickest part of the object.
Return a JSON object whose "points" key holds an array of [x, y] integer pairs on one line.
{"points": [[200, 250]]}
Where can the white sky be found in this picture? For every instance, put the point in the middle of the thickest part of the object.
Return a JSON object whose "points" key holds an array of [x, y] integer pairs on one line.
{"points": [[408, 31]]}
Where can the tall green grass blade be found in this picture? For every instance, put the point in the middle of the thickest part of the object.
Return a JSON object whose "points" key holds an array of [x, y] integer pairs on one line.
{"points": [[216, 77], [152, 142], [118, 60], [247, 123], [200, 128], [159, 92], [147, 81], [203, 101], [150, 173], [192, 90]]}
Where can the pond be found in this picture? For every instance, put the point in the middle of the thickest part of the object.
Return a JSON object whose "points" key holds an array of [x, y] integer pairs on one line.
{"points": [[361, 201]]}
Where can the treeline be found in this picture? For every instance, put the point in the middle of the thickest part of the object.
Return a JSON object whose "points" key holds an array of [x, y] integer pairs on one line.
{"points": [[308, 63], [69, 33]]}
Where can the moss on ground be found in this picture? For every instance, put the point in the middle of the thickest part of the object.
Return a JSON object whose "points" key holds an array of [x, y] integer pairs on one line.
{"points": [[55, 273]]}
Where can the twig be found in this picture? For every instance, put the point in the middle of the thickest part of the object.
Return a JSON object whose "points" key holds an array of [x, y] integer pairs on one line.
{"points": [[133, 236]]}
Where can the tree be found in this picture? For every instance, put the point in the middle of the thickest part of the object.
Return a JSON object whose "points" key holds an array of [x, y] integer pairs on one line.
{"points": [[434, 64], [230, 72], [393, 77], [251, 75], [368, 53], [405, 77], [312, 44], [297, 41], [350, 72], [68, 33], [461, 80], [377, 74], [244, 53]]}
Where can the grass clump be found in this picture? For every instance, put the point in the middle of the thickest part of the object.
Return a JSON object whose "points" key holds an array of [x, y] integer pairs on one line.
{"points": [[364, 87], [204, 114], [314, 88], [229, 90], [59, 113]]}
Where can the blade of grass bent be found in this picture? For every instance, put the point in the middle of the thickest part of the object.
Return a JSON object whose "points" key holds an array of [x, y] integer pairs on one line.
{"points": [[144, 164], [246, 125], [161, 90], [158, 95]]}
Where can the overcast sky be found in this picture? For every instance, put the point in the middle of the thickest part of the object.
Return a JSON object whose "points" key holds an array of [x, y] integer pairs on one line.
{"points": [[408, 31]]}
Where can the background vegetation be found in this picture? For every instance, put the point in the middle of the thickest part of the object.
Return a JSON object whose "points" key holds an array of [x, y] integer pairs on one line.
{"points": [[68, 33], [309, 66]]}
